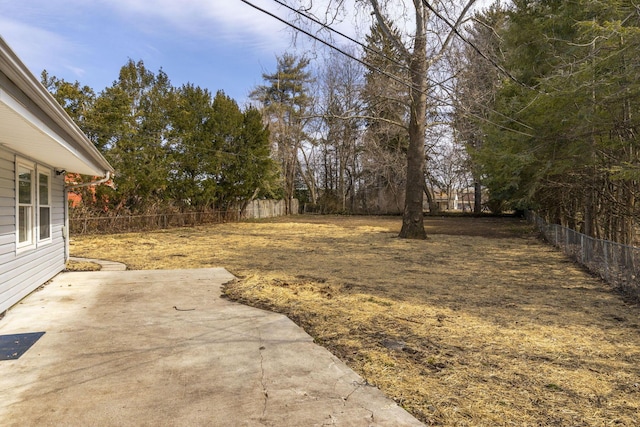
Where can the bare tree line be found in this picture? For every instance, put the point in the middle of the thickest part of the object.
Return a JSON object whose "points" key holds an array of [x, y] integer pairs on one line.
{"points": [[372, 135]]}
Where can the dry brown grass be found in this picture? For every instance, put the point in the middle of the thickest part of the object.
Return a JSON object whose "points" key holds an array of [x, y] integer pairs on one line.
{"points": [[82, 266], [481, 325]]}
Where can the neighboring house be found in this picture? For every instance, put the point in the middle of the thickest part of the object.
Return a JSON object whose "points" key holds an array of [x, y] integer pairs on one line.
{"points": [[457, 200], [39, 143]]}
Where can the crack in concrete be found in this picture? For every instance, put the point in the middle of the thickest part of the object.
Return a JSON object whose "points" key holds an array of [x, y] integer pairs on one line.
{"points": [[357, 387], [265, 392]]}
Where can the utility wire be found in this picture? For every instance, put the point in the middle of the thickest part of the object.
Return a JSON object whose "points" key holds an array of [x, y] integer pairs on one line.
{"points": [[379, 70], [395, 61], [380, 54], [455, 30], [351, 39], [342, 51]]}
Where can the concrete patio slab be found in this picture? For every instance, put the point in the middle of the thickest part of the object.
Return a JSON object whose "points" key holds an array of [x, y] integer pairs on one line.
{"points": [[161, 348]]}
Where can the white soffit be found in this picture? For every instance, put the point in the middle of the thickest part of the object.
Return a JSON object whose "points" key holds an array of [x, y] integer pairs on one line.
{"points": [[22, 132]]}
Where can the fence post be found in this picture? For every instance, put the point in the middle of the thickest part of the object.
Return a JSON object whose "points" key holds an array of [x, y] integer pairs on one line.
{"points": [[605, 247]]}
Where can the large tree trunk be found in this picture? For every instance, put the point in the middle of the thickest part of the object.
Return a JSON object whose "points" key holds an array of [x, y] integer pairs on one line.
{"points": [[413, 217]]}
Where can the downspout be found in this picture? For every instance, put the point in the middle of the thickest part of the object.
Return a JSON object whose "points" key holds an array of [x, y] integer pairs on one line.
{"points": [[106, 178], [65, 234], [65, 230]]}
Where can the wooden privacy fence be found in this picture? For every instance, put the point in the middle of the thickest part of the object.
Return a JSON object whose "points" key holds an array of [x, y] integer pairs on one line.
{"points": [[268, 209], [128, 223], [617, 264]]}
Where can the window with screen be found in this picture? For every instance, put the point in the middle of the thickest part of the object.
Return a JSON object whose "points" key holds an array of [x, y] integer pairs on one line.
{"points": [[44, 208], [33, 210], [26, 201]]}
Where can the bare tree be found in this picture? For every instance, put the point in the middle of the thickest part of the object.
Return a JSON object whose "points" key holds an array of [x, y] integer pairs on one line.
{"points": [[448, 169], [340, 105], [426, 29]]}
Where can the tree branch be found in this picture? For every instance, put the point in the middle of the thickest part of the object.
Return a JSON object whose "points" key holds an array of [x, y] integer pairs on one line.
{"points": [[387, 30]]}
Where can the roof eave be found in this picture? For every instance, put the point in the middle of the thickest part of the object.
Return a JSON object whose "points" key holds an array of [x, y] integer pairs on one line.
{"points": [[20, 75]]}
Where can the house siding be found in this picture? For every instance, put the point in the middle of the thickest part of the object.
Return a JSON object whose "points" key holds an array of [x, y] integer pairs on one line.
{"points": [[24, 271]]}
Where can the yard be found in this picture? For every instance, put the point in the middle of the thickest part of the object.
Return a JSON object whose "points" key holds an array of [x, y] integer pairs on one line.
{"points": [[480, 325]]}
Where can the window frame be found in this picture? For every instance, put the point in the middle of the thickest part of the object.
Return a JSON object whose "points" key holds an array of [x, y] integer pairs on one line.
{"points": [[30, 241], [38, 226], [35, 208]]}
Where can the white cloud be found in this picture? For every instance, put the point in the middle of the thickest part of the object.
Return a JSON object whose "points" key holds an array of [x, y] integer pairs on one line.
{"points": [[231, 21], [77, 71], [37, 47]]}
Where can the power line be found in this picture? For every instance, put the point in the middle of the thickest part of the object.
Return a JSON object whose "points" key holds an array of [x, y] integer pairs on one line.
{"points": [[379, 70], [342, 51], [455, 30], [351, 39]]}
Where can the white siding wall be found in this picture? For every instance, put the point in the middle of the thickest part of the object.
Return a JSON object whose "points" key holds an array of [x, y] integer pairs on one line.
{"points": [[23, 272]]}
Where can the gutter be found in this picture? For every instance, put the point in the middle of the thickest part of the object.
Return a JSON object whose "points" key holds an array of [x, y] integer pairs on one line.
{"points": [[19, 75], [106, 178]]}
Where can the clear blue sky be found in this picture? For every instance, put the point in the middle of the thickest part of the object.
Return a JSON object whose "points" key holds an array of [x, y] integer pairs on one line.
{"points": [[216, 44]]}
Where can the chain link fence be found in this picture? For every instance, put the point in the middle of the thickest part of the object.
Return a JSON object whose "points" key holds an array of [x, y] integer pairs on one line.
{"points": [[617, 264], [134, 223]]}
